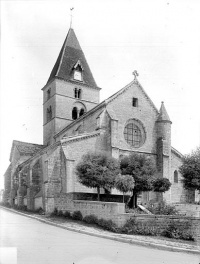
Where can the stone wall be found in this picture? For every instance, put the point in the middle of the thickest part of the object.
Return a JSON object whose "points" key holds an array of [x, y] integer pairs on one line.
{"points": [[189, 209], [116, 213], [38, 203]]}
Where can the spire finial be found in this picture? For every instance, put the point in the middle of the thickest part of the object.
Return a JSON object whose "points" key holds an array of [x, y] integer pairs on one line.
{"points": [[71, 9], [135, 73]]}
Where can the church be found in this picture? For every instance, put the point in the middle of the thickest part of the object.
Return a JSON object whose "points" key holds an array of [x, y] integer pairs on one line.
{"points": [[75, 122]]}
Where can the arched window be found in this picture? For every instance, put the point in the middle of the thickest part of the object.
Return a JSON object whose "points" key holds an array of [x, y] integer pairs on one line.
{"points": [[76, 93], [82, 111], [79, 93], [74, 113], [49, 114], [176, 176], [48, 94]]}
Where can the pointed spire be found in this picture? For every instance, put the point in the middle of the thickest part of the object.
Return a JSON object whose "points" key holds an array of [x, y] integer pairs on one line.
{"points": [[70, 54], [163, 115]]}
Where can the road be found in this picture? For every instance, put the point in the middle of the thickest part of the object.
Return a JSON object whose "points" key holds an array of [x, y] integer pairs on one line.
{"points": [[36, 242]]}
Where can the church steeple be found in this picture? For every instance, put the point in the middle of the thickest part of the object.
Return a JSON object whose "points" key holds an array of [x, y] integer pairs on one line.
{"points": [[70, 91], [71, 64]]}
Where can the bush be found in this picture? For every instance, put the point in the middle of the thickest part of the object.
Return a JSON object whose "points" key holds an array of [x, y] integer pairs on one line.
{"points": [[90, 219], [133, 227], [107, 224], [60, 213], [22, 208], [77, 215], [55, 212], [179, 230], [67, 214], [162, 209], [6, 204]]}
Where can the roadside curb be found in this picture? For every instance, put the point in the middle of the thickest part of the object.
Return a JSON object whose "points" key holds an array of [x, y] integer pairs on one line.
{"points": [[119, 239]]}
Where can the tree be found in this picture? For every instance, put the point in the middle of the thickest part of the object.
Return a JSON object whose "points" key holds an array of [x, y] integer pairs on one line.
{"points": [[161, 185], [97, 170], [190, 170], [142, 168], [124, 183]]}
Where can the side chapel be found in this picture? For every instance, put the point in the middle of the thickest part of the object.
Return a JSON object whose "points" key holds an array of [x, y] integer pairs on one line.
{"points": [[75, 122]]}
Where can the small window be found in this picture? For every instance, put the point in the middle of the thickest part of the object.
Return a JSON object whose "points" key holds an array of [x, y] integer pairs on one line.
{"points": [[135, 102], [49, 114], [49, 94], [77, 93], [74, 113], [175, 176], [81, 112]]}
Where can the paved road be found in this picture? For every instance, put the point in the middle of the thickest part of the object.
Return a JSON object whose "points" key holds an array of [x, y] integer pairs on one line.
{"points": [[36, 242]]}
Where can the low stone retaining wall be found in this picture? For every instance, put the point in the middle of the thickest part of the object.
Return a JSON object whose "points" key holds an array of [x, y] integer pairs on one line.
{"points": [[188, 209], [103, 197], [116, 213]]}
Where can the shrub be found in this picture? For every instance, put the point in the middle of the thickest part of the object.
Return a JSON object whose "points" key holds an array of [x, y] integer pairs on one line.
{"points": [[107, 224], [179, 230], [60, 213], [77, 215], [55, 212], [67, 214], [90, 219], [141, 228], [22, 207], [162, 209], [6, 204]]}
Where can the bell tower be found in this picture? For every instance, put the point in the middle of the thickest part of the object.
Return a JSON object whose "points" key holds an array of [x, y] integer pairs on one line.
{"points": [[70, 90]]}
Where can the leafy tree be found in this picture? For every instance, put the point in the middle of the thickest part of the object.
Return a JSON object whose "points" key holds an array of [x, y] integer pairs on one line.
{"points": [[124, 183], [142, 168], [161, 185], [97, 170], [190, 170]]}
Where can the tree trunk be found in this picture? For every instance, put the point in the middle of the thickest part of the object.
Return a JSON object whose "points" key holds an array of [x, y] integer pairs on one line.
{"points": [[98, 192], [123, 197], [134, 197]]}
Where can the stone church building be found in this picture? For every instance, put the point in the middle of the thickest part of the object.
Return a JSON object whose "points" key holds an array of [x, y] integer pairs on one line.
{"points": [[75, 122]]}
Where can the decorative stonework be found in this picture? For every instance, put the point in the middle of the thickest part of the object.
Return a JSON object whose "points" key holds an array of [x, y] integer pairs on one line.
{"points": [[134, 133]]}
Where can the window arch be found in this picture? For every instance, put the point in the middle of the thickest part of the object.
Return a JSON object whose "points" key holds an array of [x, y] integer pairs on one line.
{"points": [[49, 114], [74, 113], [175, 176], [48, 93], [82, 111]]}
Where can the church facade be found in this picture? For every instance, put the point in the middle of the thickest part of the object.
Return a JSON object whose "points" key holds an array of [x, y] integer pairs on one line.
{"points": [[75, 123]]}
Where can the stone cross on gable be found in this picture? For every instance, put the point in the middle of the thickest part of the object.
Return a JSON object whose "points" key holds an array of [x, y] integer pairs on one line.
{"points": [[135, 73]]}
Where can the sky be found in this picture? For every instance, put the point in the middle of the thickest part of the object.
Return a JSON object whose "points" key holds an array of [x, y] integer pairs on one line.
{"points": [[160, 39]]}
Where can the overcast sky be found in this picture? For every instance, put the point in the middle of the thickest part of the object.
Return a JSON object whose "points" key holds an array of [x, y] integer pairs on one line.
{"points": [[159, 39]]}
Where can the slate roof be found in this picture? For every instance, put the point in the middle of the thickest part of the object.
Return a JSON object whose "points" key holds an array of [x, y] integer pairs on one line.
{"points": [[163, 115], [25, 148], [69, 55]]}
